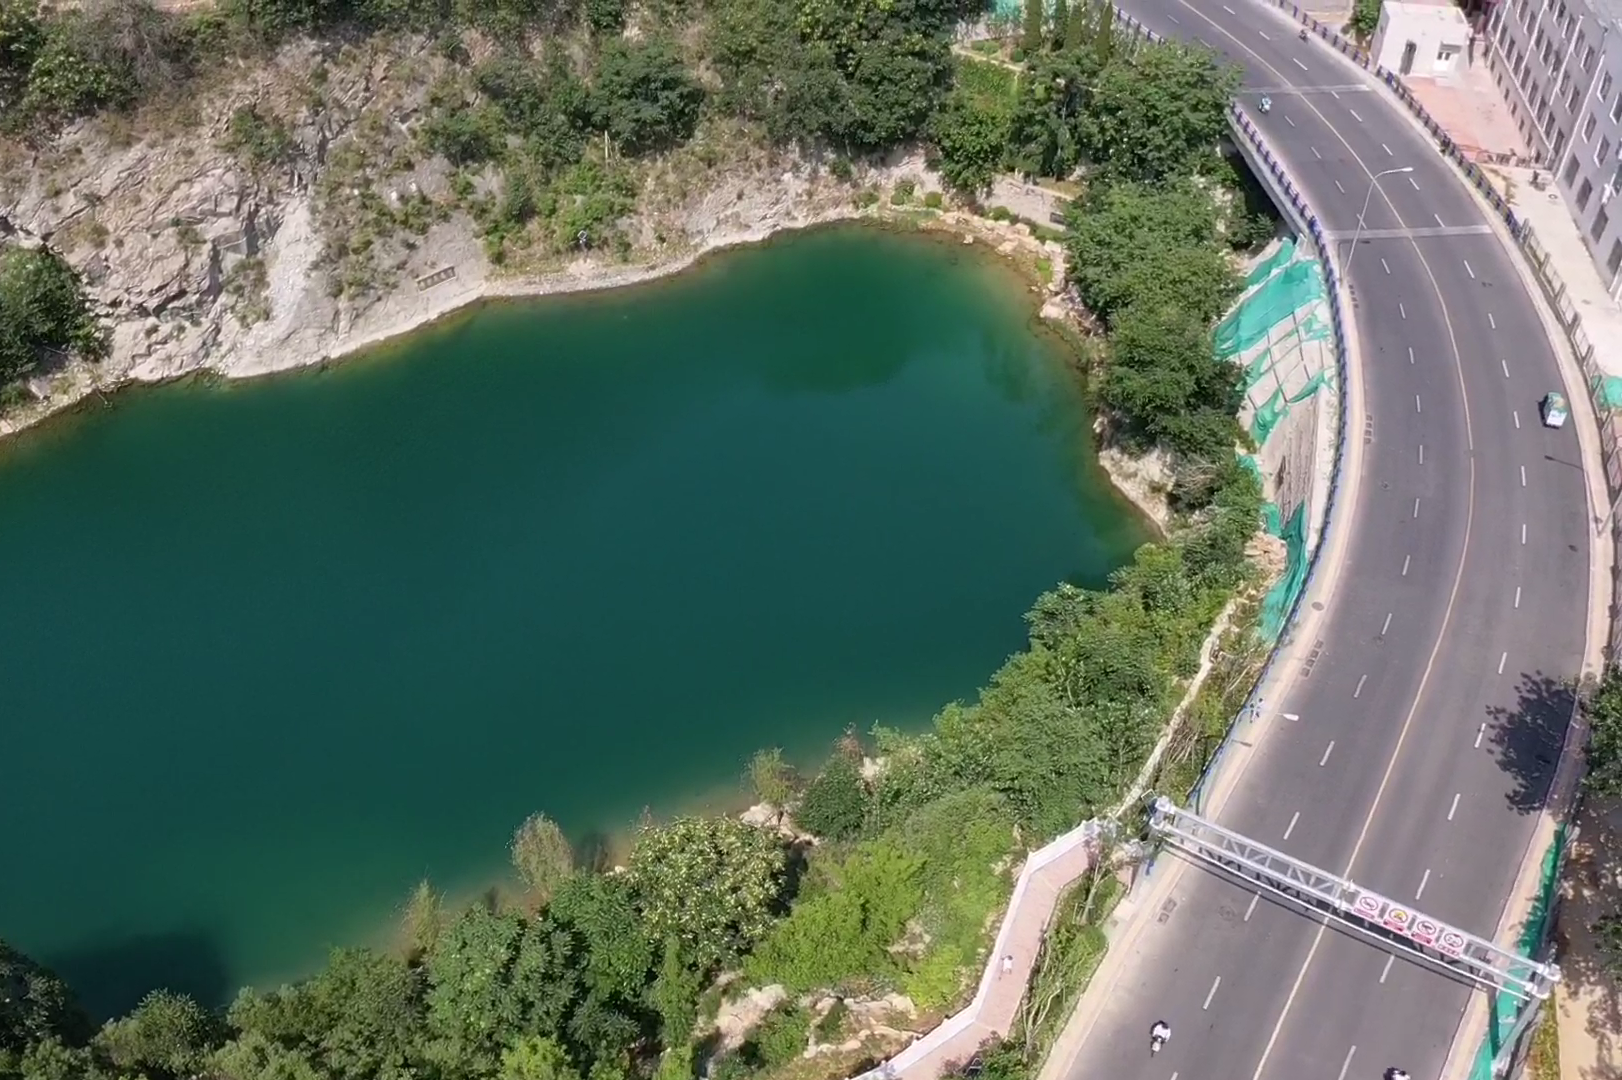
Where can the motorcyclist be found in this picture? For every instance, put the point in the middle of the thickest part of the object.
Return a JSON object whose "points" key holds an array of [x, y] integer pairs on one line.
{"points": [[1159, 1034], [1267, 104], [1303, 34], [1395, 1073]]}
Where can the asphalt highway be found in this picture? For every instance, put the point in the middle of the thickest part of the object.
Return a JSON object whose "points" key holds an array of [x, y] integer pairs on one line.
{"points": [[1430, 724]]}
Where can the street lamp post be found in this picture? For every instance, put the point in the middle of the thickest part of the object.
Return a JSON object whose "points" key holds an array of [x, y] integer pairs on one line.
{"points": [[1374, 182]]}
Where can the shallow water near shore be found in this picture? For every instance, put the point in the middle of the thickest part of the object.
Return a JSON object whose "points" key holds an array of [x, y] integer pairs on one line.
{"points": [[275, 651]]}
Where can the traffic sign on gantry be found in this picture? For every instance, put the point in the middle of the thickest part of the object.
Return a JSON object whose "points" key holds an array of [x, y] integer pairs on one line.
{"points": [[1392, 924]]}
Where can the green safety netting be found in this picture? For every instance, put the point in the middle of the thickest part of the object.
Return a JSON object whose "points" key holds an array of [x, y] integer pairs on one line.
{"points": [[1270, 265], [1609, 389], [1280, 598], [1532, 934], [1285, 292]]}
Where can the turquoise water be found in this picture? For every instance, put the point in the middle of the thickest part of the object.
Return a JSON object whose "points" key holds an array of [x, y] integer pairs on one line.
{"points": [[277, 650]]}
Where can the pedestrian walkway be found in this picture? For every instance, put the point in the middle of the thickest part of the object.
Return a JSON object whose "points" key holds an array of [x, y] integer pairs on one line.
{"points": [[991, 1014], [1555, 235], [1589, 1003]]}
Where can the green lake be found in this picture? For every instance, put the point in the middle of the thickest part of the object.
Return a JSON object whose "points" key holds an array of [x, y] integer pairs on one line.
{"points": [[275, 651]]}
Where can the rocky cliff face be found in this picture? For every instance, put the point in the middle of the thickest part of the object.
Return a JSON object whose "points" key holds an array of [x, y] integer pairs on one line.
{"points": [[200, 261]]}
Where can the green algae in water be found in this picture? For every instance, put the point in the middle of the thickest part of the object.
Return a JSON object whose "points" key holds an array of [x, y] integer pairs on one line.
{"points": [[275, 651]]}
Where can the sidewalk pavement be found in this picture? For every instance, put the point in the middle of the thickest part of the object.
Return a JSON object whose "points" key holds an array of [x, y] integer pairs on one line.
{"points": [[1028, 919], [1556, 233], [1589, 1002], [1469, 106]]}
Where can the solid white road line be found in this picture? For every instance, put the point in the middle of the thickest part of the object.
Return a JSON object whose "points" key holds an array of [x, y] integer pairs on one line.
{"points": [[1291, 827], [1454, 809], [1212, 992], [1330, 749]]}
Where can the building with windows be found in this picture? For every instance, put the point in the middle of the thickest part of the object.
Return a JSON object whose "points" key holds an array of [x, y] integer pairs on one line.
{"points": [[1558, 64], [1420, 37]]}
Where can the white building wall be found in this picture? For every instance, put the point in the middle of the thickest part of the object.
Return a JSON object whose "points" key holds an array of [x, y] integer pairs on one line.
{"points": [[1558, 64], [1420, 39]]}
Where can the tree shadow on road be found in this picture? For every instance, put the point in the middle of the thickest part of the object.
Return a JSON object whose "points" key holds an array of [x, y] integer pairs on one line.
{"points": [[1526, 737]]}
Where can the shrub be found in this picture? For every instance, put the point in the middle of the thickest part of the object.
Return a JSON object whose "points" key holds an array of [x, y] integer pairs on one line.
{"points": [[834, 805], [781, 1036]]}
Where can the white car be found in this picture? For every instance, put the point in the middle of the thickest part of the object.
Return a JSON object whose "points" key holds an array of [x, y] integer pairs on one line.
{"points": [[1553, 409]]}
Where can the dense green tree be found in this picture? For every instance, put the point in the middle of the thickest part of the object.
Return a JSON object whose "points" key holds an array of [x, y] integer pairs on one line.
{"points": [[675, 996], [970, 142], [43, 313], [1163, 375], [1045, 129], [845, 928], [167, 1035], [1060, 24], [1151, 119], [1033, 34], [709, 883], [1604, 756], [834, 805], [534, 1057], [494, 977], [35, 1004], [1130, 243], [600, 911], [644, 97], [1365, 19], [360, 1018]]}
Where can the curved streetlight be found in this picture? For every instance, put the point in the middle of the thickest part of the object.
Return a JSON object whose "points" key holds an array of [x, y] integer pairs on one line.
{"points": [[1374, 182]]}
